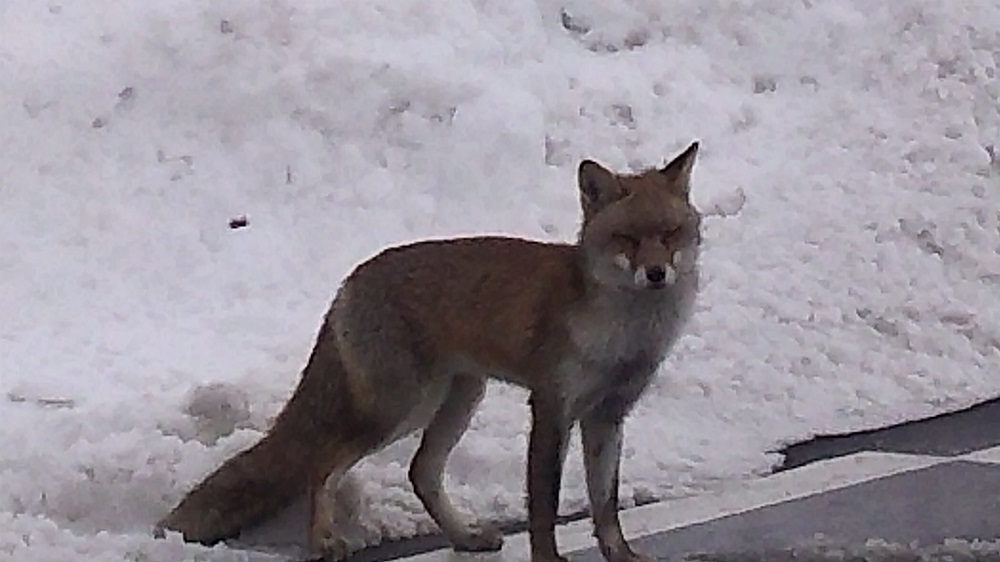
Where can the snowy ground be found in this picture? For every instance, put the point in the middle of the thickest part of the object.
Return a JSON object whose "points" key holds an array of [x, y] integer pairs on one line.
{"points": [[851, 156]]}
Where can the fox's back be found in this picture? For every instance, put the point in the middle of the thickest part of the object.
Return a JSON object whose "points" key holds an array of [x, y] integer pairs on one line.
{"points": [[493, 300]]}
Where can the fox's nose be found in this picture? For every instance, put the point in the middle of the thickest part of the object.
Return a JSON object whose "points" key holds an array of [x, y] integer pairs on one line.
{"points": [[656, 274]]}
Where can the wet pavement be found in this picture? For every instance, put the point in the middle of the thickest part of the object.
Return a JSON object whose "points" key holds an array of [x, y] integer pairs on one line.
{"points": [[948, 435], [956, 499]]}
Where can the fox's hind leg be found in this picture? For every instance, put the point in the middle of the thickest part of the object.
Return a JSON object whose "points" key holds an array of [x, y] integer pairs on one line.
{"points": [[427, 469], [394, 389], [392, 393], [325, 531], [324, 536]]}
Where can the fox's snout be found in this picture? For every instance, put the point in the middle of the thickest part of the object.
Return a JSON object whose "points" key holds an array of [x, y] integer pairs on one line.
{"points": [[652, 275], [655, 276]]}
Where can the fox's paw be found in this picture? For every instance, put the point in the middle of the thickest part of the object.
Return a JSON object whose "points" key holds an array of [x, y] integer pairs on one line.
{"points": [[549, 558], [333, 549], [624, 554], [480, 537], [632, 557]]}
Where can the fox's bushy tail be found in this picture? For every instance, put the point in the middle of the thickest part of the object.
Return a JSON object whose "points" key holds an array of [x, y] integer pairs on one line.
{"points": [[242, 492], [269, 476]]}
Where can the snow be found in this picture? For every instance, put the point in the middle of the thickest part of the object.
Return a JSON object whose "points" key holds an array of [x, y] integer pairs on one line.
{"points": [[848, 167]]}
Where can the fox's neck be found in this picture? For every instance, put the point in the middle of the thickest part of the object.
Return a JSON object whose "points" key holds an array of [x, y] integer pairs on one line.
{"points": [[629, 331]]}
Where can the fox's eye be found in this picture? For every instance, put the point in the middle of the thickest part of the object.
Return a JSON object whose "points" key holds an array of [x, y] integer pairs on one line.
{"points": [[626, 239]]}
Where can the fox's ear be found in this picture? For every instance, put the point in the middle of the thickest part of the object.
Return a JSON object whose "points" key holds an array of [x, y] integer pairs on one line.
{"points": [[598, 186], [678, 171]]}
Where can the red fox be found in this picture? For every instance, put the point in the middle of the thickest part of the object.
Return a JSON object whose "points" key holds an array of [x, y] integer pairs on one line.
{"points": [[414, 333]]}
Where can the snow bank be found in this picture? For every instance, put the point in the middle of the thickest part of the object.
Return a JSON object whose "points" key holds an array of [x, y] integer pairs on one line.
{"points": [[851, 264]]}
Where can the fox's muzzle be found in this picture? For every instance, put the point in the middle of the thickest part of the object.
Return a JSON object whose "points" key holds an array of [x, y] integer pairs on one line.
{"points": [[655, 276]]}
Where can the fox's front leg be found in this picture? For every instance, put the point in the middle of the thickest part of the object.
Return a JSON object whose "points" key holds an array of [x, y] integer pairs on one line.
{"points": [[546, 453], [601, 433]]}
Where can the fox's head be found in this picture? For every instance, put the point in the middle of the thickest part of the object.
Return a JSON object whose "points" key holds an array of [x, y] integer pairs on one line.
{"points": [[640, 231]]}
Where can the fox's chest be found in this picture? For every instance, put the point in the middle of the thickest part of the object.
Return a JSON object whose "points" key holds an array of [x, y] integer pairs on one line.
{"points": [[604, 338], [617, 349], [616, 331]]}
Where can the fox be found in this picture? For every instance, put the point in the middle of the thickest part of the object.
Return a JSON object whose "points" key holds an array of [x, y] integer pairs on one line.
{"points": [[414, 334]]}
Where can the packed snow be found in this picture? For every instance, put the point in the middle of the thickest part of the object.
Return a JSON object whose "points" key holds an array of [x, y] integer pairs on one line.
{"points": [[849, 173]]}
